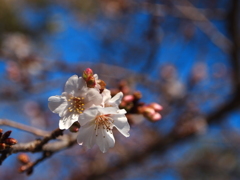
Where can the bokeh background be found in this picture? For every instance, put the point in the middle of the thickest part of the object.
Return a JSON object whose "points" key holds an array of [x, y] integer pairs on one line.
{"points": [[183, 54]]}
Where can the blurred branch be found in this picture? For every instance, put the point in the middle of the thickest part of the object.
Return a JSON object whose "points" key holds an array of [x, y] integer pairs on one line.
{"points": [[233, 25], [40, 145], [162, 10], [23, 127], [152, 36], [53, 135], [206, 26]]}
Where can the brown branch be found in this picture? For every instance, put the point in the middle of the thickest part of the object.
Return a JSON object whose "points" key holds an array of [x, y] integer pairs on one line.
{"points": [[53, 135], [48, 149], [3, 156], [42, 145]]}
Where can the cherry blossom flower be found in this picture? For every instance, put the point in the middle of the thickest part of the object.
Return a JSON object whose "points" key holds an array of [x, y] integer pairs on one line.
{"points": [[97, 126], [109, 101], [74, 101]]}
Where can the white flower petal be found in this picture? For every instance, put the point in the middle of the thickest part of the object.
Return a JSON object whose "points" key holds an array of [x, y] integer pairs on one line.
{"points": [[116, 99], [106, 94], [67, 121], [122, 111], [108, 110], [121, 123], [82, 87], [104, 140], [71, 85], [57, 104], [88, 115], [86, 135], [75, 86], [92, 97]]}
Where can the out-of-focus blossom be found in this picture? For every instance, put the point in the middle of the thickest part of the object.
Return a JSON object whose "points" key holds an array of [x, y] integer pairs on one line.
{"points": [[199, 73], [34, 112], [16, 44], [13, 71]]}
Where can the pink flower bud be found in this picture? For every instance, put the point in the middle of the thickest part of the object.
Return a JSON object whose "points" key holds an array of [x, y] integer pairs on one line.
{"points": [[156, 117], [157, 107], [148, 111], [91, 83], [128, 98], [87, 74]]}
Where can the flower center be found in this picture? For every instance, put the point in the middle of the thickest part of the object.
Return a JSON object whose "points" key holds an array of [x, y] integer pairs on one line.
{"points": [[103, 121], [76, 104]]}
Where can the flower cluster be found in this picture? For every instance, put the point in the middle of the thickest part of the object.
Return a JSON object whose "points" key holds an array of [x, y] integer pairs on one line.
{"points": [[87, 101]]}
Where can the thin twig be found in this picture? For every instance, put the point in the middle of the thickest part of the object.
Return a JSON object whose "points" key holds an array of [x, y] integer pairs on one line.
{"points": [[163, 10], [207, 27], [30, 129], [28, 168]]}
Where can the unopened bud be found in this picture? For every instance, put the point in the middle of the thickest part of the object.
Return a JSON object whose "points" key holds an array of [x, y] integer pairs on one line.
{"points": [[128, 98], [91, 83], [148, 111], [23, 158], [156, 106], [22, 169], [87, 74], [10, 141], [6, 135], [2, 146], [75, 127], [102, 84], [137, 95], [155, 117]]}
